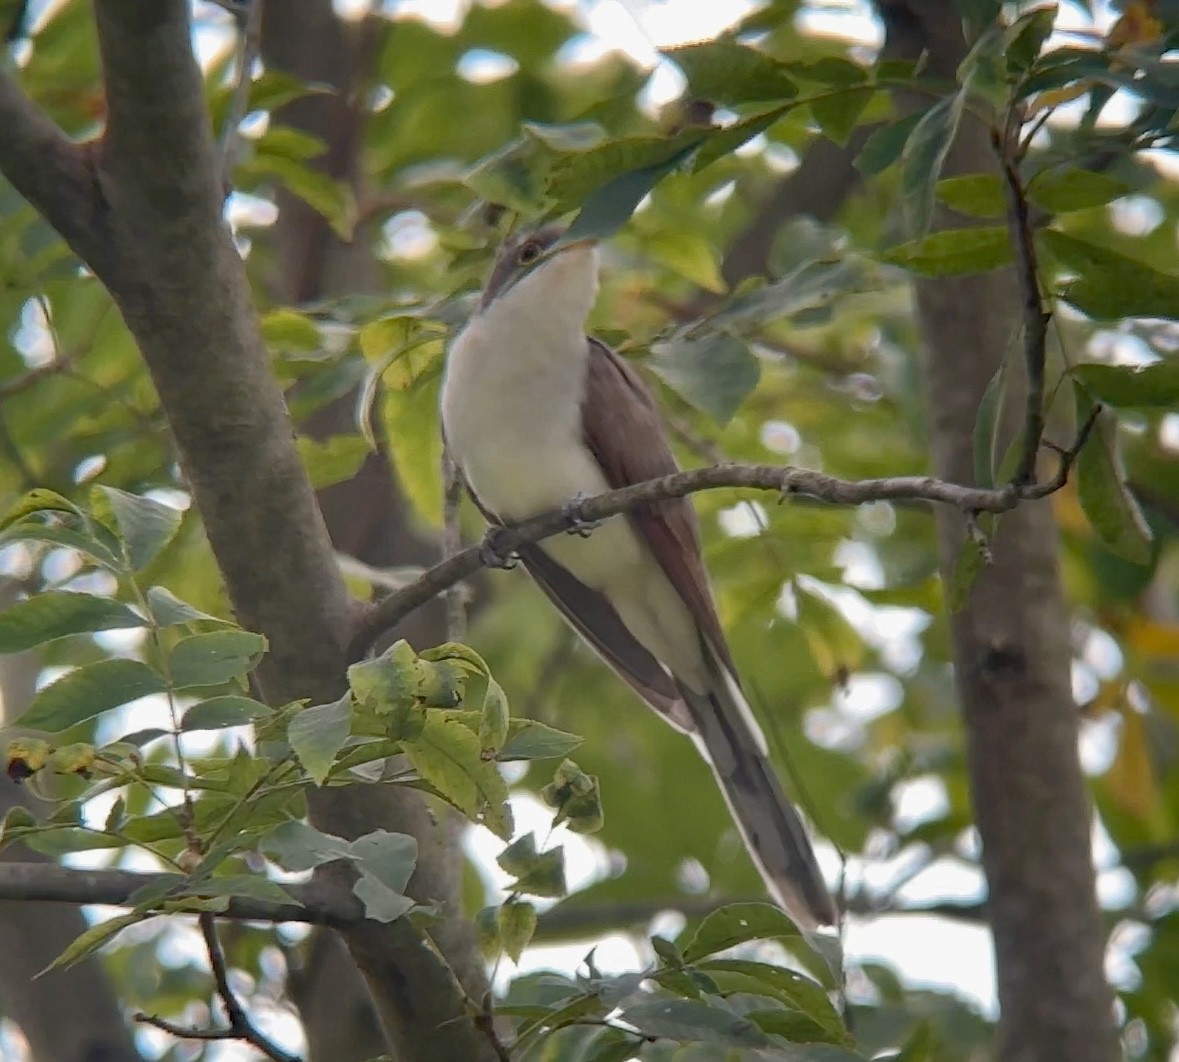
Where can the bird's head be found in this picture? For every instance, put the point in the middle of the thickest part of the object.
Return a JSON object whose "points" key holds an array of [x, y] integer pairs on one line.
{"points": [[542, 273]]}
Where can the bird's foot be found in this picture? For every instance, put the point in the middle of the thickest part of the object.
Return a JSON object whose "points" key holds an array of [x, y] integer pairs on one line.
{"points": [[494, 553], [577, 523]]}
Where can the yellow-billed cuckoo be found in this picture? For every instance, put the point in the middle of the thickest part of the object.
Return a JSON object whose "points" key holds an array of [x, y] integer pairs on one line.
{"points": [[535, 414]]}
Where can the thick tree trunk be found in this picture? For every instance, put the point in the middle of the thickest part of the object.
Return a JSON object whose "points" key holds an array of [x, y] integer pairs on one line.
{"points": [[367, 517], [1012, 665]]}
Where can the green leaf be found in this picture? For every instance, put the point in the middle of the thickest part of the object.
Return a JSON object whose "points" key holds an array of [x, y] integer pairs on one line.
{"points": [[838, 112], [692, 1021], [986, 428], [447, 755], [57, 614], [89, 691], [386, 862], [1059, 191], [791, 1025], [295, 846], [89, 545], [715, 373], [885, 145], [1132, 386], [1109, 285], [924, 153], [788, 987], [332, 460], [253, 886], [920, 1045], [516, 921], [1025, 37], [968, 564], [536, 873], [736, 924], [289, 330], [168, 610], [1104, 495], [146, 526], [689, 254], [331, 198], [93, 939], [578, 176], [318, 733], [413, 438], [953, 252], [39, 500], [608, 208], [978, 195], [388, 681], [727, 72], [220, 712], [530, 740], [810, 286], [213, 657], [576, 797], [721, 141]]}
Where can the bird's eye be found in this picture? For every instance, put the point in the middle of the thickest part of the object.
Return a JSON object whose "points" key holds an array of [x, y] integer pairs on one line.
{"points": [[529, 252]]}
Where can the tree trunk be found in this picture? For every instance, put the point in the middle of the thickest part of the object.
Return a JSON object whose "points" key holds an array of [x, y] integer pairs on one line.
{"points": [[1012, 663]]}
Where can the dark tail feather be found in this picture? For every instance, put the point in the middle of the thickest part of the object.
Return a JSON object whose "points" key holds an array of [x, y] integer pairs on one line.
{"points": [[777, 840]]}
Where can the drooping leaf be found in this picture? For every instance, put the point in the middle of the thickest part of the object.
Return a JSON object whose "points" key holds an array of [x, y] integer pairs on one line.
{"points": [[1102, 489], [93, 939], [447, 755], [386, 862], [922, 158], [1062, 190], [838, 112], [332, 460], [986, 428], [953, 252], [715, 373], [213, 657], [1132, 386], [1109, 285], [978, 195], [693, 1021], [38, 500], [317, 733], [516, 921], [296, 846], [145, 525], [58, 614], [885, 145], [89, 691]]}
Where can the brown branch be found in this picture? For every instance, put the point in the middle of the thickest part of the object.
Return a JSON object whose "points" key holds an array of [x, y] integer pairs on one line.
{"points": [[500, 542], [240, 1026], [1035, 317], [52, 172]]}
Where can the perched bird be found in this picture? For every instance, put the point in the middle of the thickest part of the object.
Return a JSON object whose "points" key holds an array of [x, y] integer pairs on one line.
{"points": [[536, 414]]}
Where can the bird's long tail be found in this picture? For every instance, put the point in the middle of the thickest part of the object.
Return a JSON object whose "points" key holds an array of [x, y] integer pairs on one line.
{"points": [[731, 740]]}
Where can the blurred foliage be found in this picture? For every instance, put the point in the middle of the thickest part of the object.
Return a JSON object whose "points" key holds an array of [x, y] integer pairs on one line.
{"points": [[836, 617]]}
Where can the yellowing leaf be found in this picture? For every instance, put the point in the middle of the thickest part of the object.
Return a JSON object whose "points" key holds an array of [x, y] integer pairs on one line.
{"points": [[1131, 778]]}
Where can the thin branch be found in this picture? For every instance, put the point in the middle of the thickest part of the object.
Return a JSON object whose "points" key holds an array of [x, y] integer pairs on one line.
{"points": [[240, 1026], [501, 542], [452, 543], [249, 20], [1035, 317]]}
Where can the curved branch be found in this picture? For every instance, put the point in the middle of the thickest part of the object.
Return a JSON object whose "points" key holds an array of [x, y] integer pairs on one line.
{"points": [[502, 541], [53, 172]]}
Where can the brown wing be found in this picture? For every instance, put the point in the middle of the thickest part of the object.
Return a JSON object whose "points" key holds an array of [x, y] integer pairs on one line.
{"points": [[593, 617], [624, 432]]}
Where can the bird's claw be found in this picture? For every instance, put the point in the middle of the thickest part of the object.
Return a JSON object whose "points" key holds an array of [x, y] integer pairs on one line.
{"points": [[578, 524], [493, 553]]}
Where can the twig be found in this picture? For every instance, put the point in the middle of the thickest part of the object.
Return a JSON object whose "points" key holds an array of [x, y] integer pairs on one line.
{"points": [[502, 541], [452, 543], [1035, 317], [240, 1026], [249, 19]]}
